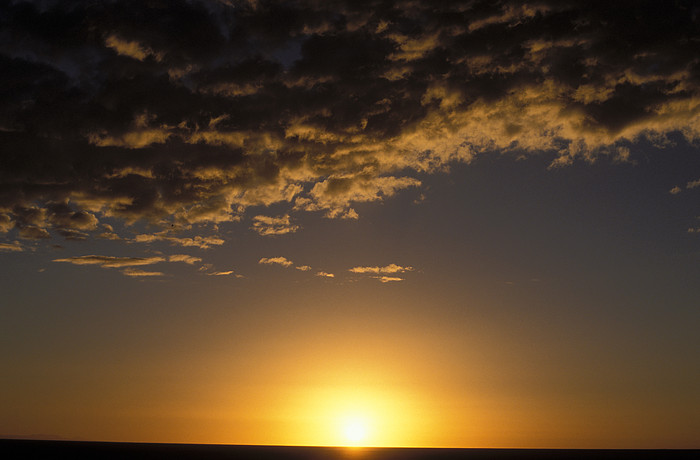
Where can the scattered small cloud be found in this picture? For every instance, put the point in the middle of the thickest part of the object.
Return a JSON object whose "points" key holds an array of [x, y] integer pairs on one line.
{"points": [[391, 268], [221, 272], [675, 190], [111, 261], [184, 258], [388, 279], [268, 226], [325, 274], [130, 48], [276, 261], [136, 272], [304, 268], [693, 184], [11, 247], [224, 273], [202, 242]]}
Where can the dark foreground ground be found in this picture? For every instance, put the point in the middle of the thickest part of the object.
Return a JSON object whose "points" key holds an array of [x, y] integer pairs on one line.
{"points": [[12, 449]]}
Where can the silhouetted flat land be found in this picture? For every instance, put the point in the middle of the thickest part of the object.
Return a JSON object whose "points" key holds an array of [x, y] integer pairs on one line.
{"points": [[14, 448]]}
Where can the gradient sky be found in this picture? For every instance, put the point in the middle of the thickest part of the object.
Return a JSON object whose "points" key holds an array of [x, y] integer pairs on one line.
{"points": [[247, 222]]}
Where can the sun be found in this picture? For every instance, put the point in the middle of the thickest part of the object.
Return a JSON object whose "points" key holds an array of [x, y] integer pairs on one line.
{"points": [[356, 417], [355, 431]]}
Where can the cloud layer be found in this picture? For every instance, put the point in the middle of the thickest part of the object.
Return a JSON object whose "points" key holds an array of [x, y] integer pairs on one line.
{"points": [[188, 113]]}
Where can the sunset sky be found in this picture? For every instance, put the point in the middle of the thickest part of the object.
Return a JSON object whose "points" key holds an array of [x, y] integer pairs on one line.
{"points": [[267, 222]]}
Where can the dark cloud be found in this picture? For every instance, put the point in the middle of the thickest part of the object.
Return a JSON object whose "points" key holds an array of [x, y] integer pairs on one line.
{"points": [[33, 233], [69, 223], [71, 234], [186, 113], [5, 223]]}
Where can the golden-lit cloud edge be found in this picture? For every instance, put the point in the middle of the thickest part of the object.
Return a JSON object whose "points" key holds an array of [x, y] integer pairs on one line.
{"points": [[270, 226], [111, 261], [391, 268], [384, 274], [127, 264], [15, 246], [283, 261]]}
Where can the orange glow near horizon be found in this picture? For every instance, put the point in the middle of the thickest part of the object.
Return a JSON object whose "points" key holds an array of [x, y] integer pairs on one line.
{"points": [[356, 417], [397, 388]]}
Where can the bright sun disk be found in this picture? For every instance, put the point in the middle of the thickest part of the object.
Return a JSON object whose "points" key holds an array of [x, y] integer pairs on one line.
{"points": [[355, 431]]}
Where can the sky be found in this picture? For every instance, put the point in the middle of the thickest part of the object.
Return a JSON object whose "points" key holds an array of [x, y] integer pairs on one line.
{"points": [[450, 224]]}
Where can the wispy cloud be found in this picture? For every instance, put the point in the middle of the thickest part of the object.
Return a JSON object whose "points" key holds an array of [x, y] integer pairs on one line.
{"points": [[693, 184], [689, 186], [391, 268], [202, 242], [276, 261], [111, 261], [304, 268], [388, 279], [135, 272], [268, 226], [325, 274], [222, 273], [382, 273], [71, 234], [130, 48], [12, 247], [184, 258]]}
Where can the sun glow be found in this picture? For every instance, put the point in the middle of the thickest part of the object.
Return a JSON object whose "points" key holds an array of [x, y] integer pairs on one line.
{"points": [[359, 416], [355, 431]]}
